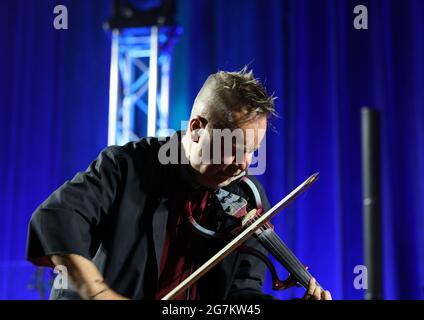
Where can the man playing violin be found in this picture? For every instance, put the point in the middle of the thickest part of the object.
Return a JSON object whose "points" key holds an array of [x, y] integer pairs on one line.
{"points": [[122, 227]]}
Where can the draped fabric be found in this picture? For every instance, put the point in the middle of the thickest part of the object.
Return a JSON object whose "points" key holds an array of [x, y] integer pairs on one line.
{"points": [[54, 95], [53, 123], [324, 70]]}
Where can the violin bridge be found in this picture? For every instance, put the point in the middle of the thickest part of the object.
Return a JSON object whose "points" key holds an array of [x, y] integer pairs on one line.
{"points": [[250, 215]]}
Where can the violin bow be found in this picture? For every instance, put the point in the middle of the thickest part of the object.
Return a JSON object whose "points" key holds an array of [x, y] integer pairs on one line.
{"points": [[240, 238]]}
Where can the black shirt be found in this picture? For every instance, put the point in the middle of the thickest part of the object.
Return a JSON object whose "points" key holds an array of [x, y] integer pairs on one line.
{"points": [[115, 214]]}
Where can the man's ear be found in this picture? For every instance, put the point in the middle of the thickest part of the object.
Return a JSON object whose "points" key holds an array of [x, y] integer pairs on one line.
{"points": [[195, 126]]}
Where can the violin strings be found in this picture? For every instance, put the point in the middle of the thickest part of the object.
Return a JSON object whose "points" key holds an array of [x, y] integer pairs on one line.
{"points": [[283, 254], [286, 260], [292, 259]]}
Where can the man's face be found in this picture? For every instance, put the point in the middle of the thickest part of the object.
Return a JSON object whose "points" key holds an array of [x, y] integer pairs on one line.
{"points": [[220, 156]]}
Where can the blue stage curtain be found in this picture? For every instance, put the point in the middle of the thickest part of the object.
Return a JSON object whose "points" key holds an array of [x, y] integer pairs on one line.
{"points": [[324, 70], [54, 98], [54, 103]]}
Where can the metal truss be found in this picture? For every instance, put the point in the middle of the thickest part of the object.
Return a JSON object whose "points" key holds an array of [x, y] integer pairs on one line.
{"points": [[139, 82]]}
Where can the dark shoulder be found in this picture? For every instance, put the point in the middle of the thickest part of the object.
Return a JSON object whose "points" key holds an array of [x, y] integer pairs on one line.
{"points": [[138, 160], [261, 190], [147, 145], [140, 150]]}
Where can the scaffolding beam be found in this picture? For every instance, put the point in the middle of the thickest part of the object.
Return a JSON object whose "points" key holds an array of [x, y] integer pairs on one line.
{"points": [[139, 82]]}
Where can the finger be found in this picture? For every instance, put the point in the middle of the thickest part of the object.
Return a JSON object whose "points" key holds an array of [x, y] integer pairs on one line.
{"points": [[317, 293], [311, 287], [326, 295], [310, 290]]}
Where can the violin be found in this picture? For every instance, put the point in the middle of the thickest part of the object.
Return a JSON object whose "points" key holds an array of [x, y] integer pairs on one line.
{"points": [[251, 222]]}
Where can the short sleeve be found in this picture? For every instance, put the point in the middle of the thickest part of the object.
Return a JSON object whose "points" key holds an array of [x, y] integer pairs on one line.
{"points": [[66, 222]]}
